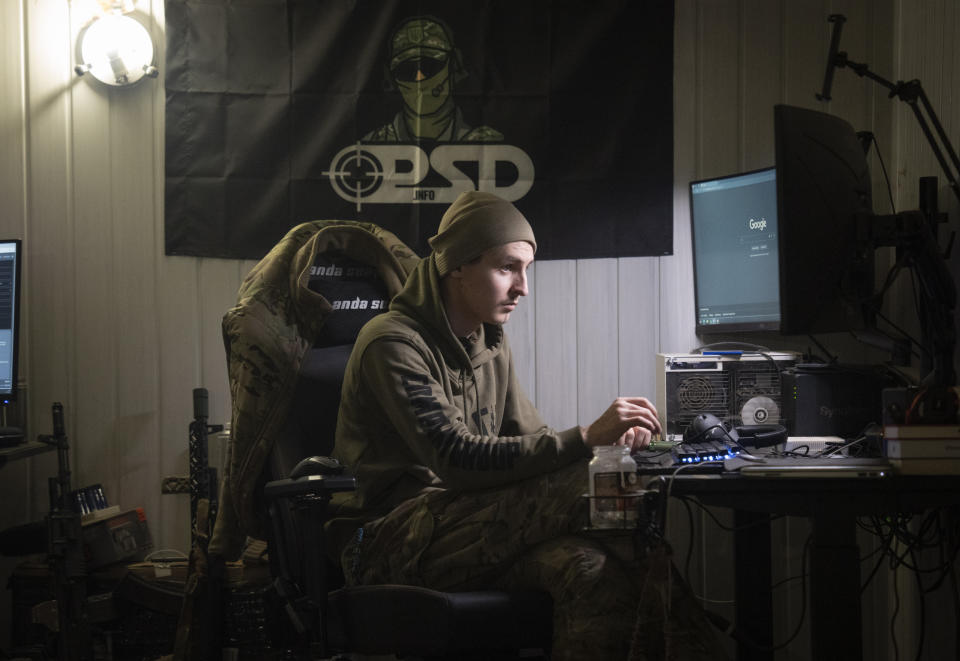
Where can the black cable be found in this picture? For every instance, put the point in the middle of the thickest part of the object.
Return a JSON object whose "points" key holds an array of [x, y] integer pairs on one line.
{"points": [[857, 440], [669, 480], [915, 541], [899, 560], [923, 313], [686, 564], [944, 570], [893, 208], [877, 551], [803, 599], [796, 452], [902, 262], [722, 526], [903, 335], [645, 456], [832, 358], [883, 551], [946, 567], [930, 524], [891, 535], [897, 328], [829, 451], [782, 582], [652, 453], [803, 591], [893, 619], [724, 625], [930, 532], [873, 573], [875, 300], [923, 609], [905, 380]]}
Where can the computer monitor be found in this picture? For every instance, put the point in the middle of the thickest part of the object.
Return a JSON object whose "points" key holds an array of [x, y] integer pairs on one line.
{"points": [[735, 258], [823, 199], [10, 258]]}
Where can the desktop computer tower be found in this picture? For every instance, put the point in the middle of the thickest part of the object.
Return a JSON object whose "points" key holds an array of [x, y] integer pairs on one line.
{"points": [[742, 389], [834, 399]]}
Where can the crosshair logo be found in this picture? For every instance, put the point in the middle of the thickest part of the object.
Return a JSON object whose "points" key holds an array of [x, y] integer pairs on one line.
{"points": [[355, 173]]}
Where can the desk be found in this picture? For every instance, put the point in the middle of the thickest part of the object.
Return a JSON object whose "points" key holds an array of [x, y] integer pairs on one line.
{"points": [[832, 504], [22, 450]]}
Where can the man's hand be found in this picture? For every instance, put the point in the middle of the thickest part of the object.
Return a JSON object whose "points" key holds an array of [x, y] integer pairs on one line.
{"points": [[630, 421], [636, 438]]}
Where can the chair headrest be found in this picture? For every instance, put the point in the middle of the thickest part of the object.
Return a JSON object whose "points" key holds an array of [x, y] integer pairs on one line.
{"points": [[354, 290]]}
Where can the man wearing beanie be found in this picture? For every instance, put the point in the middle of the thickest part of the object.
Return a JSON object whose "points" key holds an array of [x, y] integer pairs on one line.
{"points": [[462, 486]]}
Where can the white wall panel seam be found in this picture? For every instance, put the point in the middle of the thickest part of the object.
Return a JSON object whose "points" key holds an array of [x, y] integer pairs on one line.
{"points": [[71, 237]]}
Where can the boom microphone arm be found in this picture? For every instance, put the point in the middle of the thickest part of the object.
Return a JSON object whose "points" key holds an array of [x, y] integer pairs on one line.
{"points": [[838, 20], [910, 92]]}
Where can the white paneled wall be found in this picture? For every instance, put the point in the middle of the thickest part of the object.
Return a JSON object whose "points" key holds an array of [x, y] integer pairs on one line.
{"points": [[121, 333]]}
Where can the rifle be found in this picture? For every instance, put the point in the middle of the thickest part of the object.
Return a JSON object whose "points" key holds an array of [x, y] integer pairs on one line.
{"points": [[65, 552]]}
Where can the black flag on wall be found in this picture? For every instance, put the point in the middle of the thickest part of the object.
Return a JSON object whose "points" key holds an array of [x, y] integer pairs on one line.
{"points": [[282, 111]]}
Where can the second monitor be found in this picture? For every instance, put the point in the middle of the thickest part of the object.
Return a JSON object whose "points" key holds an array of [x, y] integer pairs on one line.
{"points": [[735, 256]]}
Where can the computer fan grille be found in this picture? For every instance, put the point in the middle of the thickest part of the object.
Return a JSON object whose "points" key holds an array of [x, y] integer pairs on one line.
{"points": [[696, 393]]}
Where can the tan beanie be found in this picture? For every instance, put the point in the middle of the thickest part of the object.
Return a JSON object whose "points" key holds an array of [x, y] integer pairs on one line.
{"points": [[475, 222]]}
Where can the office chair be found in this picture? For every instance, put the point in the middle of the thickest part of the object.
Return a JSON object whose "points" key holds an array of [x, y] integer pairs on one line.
{"points": [[297, 481]]}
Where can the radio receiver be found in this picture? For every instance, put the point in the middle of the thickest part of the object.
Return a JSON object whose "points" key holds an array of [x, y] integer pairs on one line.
{"points": [[741, 389]]}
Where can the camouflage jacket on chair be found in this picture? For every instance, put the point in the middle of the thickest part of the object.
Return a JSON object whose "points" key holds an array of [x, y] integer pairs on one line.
{"points": [[266, 335]]}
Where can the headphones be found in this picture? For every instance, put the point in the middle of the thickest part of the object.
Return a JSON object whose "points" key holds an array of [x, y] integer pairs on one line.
{"points": [[708, 427]]}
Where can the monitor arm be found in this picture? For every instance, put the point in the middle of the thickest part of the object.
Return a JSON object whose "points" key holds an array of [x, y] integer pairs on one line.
{"points": [[913, 237], [911, 92], [913, 233]]}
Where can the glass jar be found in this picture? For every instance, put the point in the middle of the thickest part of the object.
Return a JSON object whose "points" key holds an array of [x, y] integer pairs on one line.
{"points": [[614, 487]]}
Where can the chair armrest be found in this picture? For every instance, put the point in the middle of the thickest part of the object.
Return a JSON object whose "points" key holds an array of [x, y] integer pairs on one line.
{"points": [[297, 510], [309, 485]]}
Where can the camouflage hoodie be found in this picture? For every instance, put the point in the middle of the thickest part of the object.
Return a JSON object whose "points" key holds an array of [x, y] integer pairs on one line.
{"points": [[422, 408]]}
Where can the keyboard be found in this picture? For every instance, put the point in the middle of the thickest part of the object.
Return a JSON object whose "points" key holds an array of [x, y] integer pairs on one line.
{"points": [[695, 453], [665, 457]]}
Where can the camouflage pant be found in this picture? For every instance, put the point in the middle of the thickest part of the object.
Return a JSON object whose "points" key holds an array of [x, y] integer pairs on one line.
{"points": [[527, 536]]}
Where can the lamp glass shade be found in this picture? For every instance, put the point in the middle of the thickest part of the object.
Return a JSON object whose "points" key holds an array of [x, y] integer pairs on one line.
{"points": [[117, 50]]}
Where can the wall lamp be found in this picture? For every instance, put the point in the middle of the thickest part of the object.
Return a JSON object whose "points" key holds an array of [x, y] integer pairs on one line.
{"points": [[116, 50]]}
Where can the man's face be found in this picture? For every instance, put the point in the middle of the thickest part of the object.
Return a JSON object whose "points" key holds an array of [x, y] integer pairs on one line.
{"points": [[424, 83], [490, 287]]}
